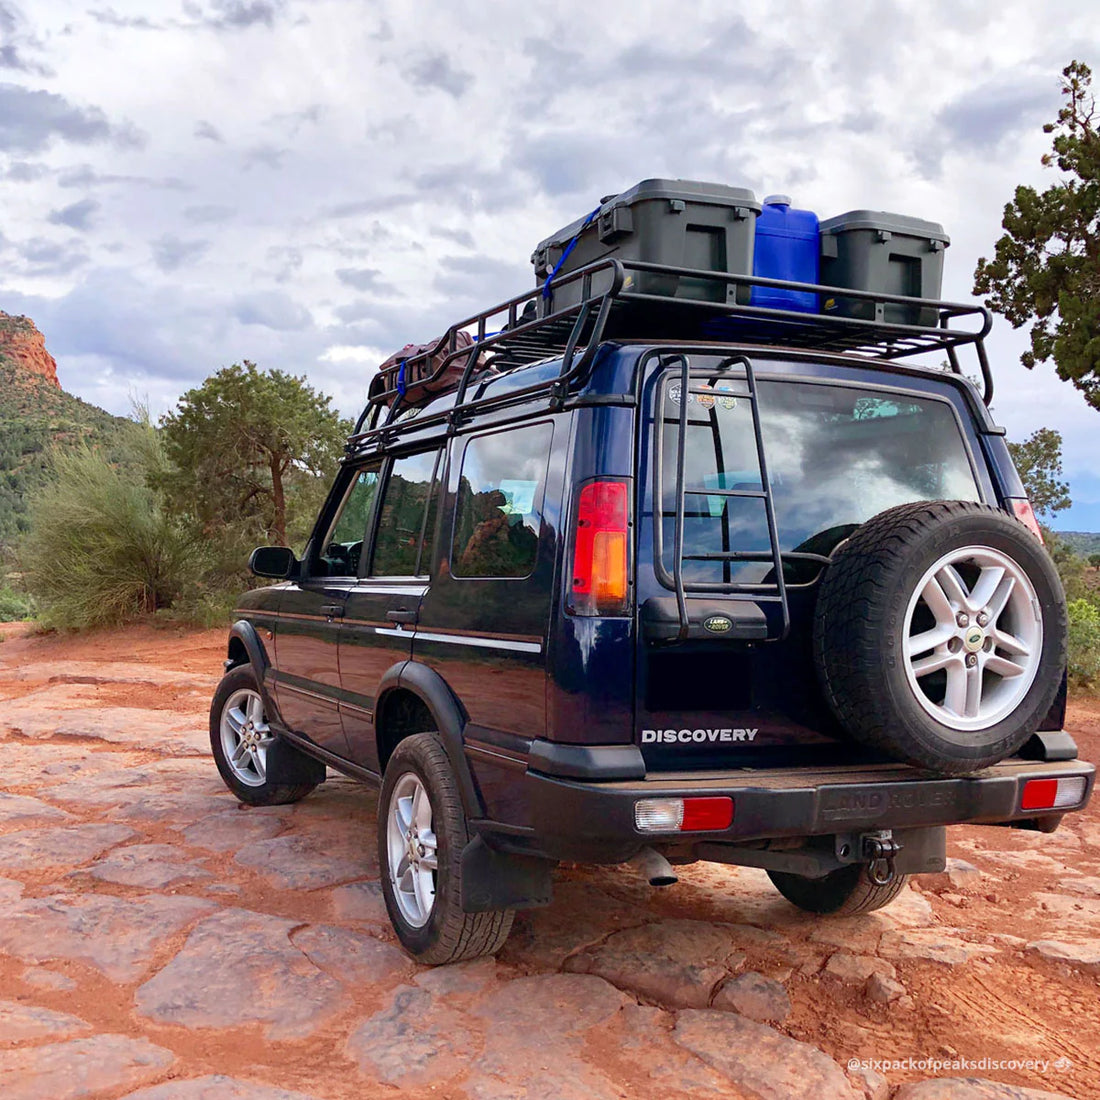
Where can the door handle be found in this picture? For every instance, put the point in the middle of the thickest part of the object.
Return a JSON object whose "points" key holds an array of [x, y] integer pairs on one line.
{"points": [[333, 610], [401, 616]]}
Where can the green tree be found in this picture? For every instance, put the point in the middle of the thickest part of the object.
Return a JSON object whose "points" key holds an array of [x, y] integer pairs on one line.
{"points": [[1094, 561], [1039, 462], [1046, 268], [243, 443]]}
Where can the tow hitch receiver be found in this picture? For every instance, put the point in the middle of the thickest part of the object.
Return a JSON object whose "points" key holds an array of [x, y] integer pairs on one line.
{"points": [[879, 849]]}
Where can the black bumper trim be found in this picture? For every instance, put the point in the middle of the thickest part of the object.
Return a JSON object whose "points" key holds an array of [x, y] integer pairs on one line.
{"points": [[595, 821]]}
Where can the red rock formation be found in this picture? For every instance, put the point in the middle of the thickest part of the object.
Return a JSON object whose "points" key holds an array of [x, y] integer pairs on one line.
{"points": [[25, 346]]}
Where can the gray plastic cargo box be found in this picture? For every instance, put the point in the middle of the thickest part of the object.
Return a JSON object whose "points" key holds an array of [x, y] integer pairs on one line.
{"points": [[681, 223], [891, 253]]}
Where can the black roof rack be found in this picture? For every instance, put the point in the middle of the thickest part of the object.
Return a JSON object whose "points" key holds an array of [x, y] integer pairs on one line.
{"points": [[527, 329]]}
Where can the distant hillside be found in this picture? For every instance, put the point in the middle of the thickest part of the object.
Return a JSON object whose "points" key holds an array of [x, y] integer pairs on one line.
{"points": [[35, 416], [1083, 542]]}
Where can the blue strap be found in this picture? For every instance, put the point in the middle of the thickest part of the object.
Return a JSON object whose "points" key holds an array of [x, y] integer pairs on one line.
{"points": [[568, 248], [401, 378]]}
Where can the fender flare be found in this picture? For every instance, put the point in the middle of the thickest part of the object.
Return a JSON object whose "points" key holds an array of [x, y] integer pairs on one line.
{"points": [[244, 632], [450, 722]]}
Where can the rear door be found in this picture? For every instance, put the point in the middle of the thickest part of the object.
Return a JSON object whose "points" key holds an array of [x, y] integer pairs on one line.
{"points": [[384, 603], [839, 449], [483, 623]]}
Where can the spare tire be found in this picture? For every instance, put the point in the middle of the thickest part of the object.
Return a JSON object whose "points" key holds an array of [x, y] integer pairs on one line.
{"points": [[940, 634]]}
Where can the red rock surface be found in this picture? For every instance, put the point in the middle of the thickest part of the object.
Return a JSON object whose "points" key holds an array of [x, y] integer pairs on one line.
{"points": [[25, 346]]}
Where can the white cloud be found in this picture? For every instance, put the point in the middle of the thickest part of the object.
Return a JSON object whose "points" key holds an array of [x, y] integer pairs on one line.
{"points": [[313, 185]]}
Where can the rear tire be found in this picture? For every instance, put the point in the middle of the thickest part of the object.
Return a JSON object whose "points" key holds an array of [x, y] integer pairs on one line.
{"points": [[422, 833], [845, 892]]}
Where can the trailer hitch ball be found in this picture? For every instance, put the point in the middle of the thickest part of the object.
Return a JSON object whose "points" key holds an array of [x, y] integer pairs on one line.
{"points": [[880, 849]]}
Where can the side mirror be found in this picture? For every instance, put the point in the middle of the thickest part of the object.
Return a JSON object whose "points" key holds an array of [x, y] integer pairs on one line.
{"points": [[273, 561]]}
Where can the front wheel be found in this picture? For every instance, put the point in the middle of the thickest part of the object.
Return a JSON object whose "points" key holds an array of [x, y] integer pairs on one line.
{"points": [[241, 739], [845, 892], [421, 836]]}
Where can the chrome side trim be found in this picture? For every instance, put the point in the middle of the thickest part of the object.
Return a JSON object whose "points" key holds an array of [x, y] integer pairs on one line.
{"points": [[485, 643]]}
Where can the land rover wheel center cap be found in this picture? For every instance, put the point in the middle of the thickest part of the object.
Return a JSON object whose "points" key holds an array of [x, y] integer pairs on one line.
{"points": [[973, 639]]}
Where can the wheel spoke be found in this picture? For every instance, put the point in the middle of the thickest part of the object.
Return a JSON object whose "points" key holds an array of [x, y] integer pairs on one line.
{"points": [[1003, 667], [987, 585], [259, 763], [996, 603], [422, 809], [930, 639], [425, 891], [973, 691], [256, 710], [955, 697], [953, 588], [236, 719], [239, 753], [403, 811], [1011, 644], [934, 662], [938, 603]]}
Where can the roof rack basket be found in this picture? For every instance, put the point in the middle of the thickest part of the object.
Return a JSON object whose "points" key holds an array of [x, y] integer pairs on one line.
{"points": [[527, 329]]}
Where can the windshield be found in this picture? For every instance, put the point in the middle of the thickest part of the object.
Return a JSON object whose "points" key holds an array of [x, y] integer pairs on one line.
{"points": [[836, 455]]}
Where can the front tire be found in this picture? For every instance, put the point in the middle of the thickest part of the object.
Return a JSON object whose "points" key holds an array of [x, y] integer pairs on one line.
{"points": [[845, 892], [240, 740], [421, 836]]}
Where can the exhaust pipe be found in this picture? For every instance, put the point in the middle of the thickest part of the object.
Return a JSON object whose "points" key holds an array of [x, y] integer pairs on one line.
{"points": [[654, 868]]}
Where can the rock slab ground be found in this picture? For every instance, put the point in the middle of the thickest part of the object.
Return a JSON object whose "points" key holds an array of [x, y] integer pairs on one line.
{"points": [[159, 942]]}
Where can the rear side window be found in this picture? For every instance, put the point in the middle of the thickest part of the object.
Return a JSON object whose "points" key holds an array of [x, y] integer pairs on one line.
{"points": [[836, 456], [499, 508], [404, 521]]}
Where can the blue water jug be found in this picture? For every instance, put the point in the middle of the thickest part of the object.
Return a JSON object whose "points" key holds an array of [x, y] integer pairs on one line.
{"points": [[788, 246]]}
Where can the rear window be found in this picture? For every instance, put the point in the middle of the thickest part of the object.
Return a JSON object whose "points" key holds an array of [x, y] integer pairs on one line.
{"points": [[836, 455]]}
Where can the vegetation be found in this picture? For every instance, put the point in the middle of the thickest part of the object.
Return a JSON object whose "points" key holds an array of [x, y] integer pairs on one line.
{"points": [[1084, 644], [1045, 270], [35, 419], [102, 548], [1039, 462], [14, 606], [245, 446]]}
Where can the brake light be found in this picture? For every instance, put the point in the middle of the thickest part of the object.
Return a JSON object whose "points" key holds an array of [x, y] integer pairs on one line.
{"points": [[1052, 794], [601, 549], [1022, 510]]}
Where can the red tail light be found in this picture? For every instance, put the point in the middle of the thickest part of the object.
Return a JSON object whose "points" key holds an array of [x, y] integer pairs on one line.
{"points": [[1022, 510], [1053, 794], [601, 550]]}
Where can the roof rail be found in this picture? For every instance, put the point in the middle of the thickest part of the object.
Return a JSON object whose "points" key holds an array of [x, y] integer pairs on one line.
{"points": [[527, 329]]}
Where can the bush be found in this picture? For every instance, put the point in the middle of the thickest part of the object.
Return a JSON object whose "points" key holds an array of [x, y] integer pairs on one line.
{"points": [[101, 548], [14, 606], [1084, 644]]}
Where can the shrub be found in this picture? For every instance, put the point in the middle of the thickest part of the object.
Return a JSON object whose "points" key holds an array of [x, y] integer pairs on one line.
{"points": [[101, 548], [1084, 644], [14, 606]]}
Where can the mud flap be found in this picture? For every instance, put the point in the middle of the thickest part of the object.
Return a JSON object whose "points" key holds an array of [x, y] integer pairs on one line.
{"points": [[288, 767], [496, 880]]}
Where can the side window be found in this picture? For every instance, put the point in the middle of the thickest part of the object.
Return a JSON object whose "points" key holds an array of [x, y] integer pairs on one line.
{"points": [[342, 547], [404, 518], [499, 508]]}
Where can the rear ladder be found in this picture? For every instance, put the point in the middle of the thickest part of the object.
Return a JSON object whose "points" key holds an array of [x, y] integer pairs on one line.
{"points": [[755, 592]]}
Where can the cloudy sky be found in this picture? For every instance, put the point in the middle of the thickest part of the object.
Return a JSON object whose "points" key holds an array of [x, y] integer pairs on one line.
{"points": [[311, 184]]}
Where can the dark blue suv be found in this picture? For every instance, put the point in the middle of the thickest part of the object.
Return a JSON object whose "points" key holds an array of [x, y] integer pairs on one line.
{"points": [[637, 581]]}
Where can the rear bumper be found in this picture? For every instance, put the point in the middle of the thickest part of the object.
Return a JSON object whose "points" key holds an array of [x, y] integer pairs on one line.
{"points": [[594, 821]]}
